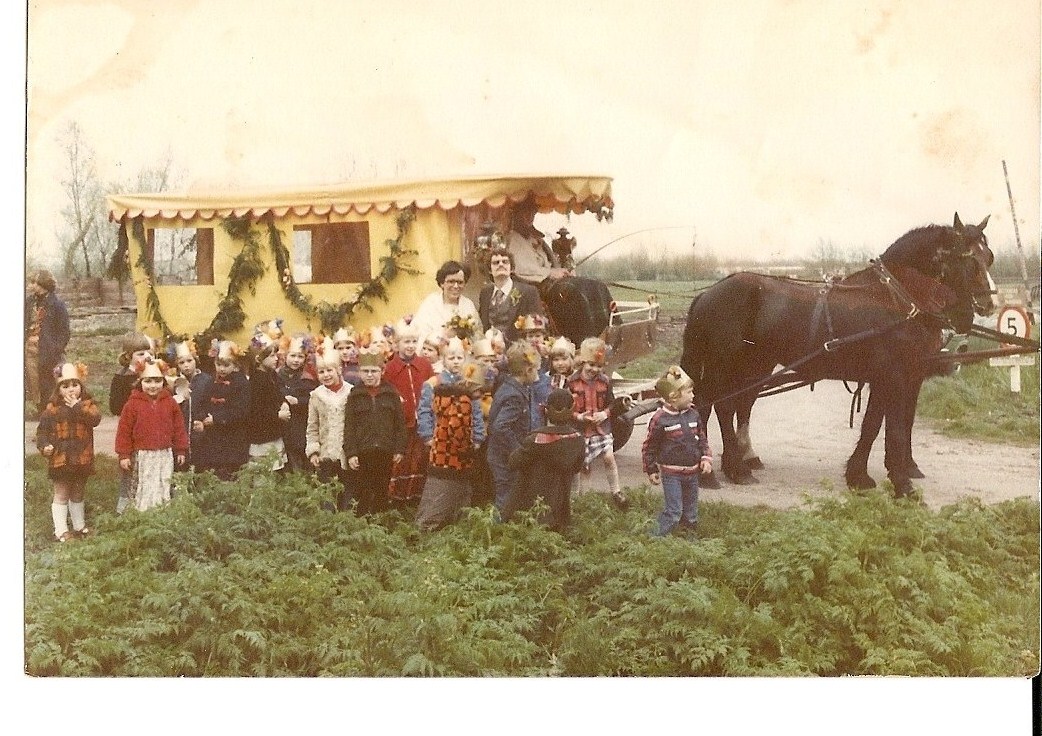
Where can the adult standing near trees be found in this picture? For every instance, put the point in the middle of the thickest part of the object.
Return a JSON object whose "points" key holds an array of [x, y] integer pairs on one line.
{"points": [[504, 300], [439, 307], [46, 335]]}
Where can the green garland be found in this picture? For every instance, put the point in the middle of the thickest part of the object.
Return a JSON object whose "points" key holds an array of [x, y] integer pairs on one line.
{"points": [[248, 268]]}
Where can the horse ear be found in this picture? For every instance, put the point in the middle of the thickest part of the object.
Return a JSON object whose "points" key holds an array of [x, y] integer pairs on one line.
{"points": [[958, 223], [984, 222]]}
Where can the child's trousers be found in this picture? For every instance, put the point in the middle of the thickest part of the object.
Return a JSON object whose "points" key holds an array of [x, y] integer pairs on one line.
{"points": [[681, 495]]}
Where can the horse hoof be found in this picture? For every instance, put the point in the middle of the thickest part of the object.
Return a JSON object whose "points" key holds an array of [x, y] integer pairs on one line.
{"points": [[742, 479], [754, 463], [710, 481], [914, 472], [862, 482]]}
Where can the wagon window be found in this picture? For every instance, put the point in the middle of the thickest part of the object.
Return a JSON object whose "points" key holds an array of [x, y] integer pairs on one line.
{"points": [[181, 255], [331, 253]]}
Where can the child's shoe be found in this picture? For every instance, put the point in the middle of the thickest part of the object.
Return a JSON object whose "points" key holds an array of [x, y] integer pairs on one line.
{"points": [[65, 537]]}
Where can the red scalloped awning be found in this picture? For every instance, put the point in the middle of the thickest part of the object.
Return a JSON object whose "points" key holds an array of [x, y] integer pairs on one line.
{"points": [[562, 194]]}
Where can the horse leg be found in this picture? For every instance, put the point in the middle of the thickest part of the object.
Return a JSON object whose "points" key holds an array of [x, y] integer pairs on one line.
{"points": [[750, 459], [710, 479], [730, 456], [912, 403], [857, 476], [896, 435]]}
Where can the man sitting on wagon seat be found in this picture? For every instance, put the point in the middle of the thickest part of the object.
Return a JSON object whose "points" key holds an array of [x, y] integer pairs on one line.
{"points": [[534, 261]]}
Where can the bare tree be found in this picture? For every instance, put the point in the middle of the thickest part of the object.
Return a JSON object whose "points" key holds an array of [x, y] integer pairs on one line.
{"points": [[79, 231]]}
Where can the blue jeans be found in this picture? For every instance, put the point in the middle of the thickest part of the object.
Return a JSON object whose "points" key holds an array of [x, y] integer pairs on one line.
{"points": [[681, 493]]}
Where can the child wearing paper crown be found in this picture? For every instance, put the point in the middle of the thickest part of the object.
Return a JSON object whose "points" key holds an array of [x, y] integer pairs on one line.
{"points": [[676, 450], [150, 433], [407, 371], [65, 436], [481, 477], [451, 424], [562, 362], [223, 444], [137, 348], [346, 343], [193, 400], [297, 380], [374, 433], [325, 428], [592, 393], [267, 405]]}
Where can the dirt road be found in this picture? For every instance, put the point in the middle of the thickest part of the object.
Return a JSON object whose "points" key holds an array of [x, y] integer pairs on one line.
{"points": [[803, 439]]}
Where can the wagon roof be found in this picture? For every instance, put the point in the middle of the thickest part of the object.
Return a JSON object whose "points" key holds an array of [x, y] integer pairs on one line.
{"points": [[553, 193]]}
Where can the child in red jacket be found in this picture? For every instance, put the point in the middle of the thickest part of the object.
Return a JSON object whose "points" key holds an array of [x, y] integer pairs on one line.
{"points": [[150, 433], [407, 371]]}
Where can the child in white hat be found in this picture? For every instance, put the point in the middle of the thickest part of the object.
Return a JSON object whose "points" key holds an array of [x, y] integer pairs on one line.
{"points": [[676, 450], [562, 361], [325, 428], [594, 398], [150, 433], [65, 436]]}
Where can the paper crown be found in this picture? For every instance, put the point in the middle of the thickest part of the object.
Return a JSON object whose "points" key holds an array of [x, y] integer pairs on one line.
{"points": [[272, 328], [299, 343], [153, 369], [326, 355], [435, 340], [673, 380], [405, 327], [498, 340], [562, 346], [262, 344], [345, 334], [224, 350], [71, 372], [521, 357], [473, 375], [593, 350], [454, 344], [526, 322], [370, 357], [378, 334], [483, 348], [177, 350]]}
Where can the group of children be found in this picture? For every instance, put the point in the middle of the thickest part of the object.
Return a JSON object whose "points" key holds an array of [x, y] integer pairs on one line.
{"points": [[390, 417]]}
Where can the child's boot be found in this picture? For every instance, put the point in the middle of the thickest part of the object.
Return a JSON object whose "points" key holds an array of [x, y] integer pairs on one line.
{"points": [[60, 516]]}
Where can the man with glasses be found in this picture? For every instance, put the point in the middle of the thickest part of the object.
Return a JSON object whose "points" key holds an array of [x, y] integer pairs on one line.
{"points": [[505, 299]]}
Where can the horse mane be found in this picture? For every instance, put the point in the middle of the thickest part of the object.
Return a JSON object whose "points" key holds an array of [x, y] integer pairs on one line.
{"points": [[919, 248]]}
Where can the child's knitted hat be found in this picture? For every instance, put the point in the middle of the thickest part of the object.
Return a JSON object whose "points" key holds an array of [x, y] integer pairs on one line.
{"points": [[71, 372], [326, 355], [593, 350], [370, 357], [345, 334], [672, 381], [559, 406], [562, 346]]}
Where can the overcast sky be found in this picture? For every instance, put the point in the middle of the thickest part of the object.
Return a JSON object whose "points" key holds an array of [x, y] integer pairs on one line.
{"points": [[756, 128]]}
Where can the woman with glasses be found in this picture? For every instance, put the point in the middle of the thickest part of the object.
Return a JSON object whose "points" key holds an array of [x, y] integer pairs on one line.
{"points": [[440, 307]]}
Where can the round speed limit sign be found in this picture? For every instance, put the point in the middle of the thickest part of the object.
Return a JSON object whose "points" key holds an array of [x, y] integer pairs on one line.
{"points": [[1014, 321]]}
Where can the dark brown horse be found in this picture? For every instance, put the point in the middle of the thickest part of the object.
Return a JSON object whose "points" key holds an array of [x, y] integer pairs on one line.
{"points": [[879, 326]]}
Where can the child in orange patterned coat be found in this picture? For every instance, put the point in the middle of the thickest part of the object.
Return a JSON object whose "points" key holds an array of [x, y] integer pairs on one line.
{"points": [[65, 436]]}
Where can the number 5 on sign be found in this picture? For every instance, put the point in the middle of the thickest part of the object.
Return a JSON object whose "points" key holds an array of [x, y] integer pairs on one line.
{"points": [[1013, 321]]}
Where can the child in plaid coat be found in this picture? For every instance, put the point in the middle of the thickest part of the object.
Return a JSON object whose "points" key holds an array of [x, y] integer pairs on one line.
{"points": [[65, 436]]}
